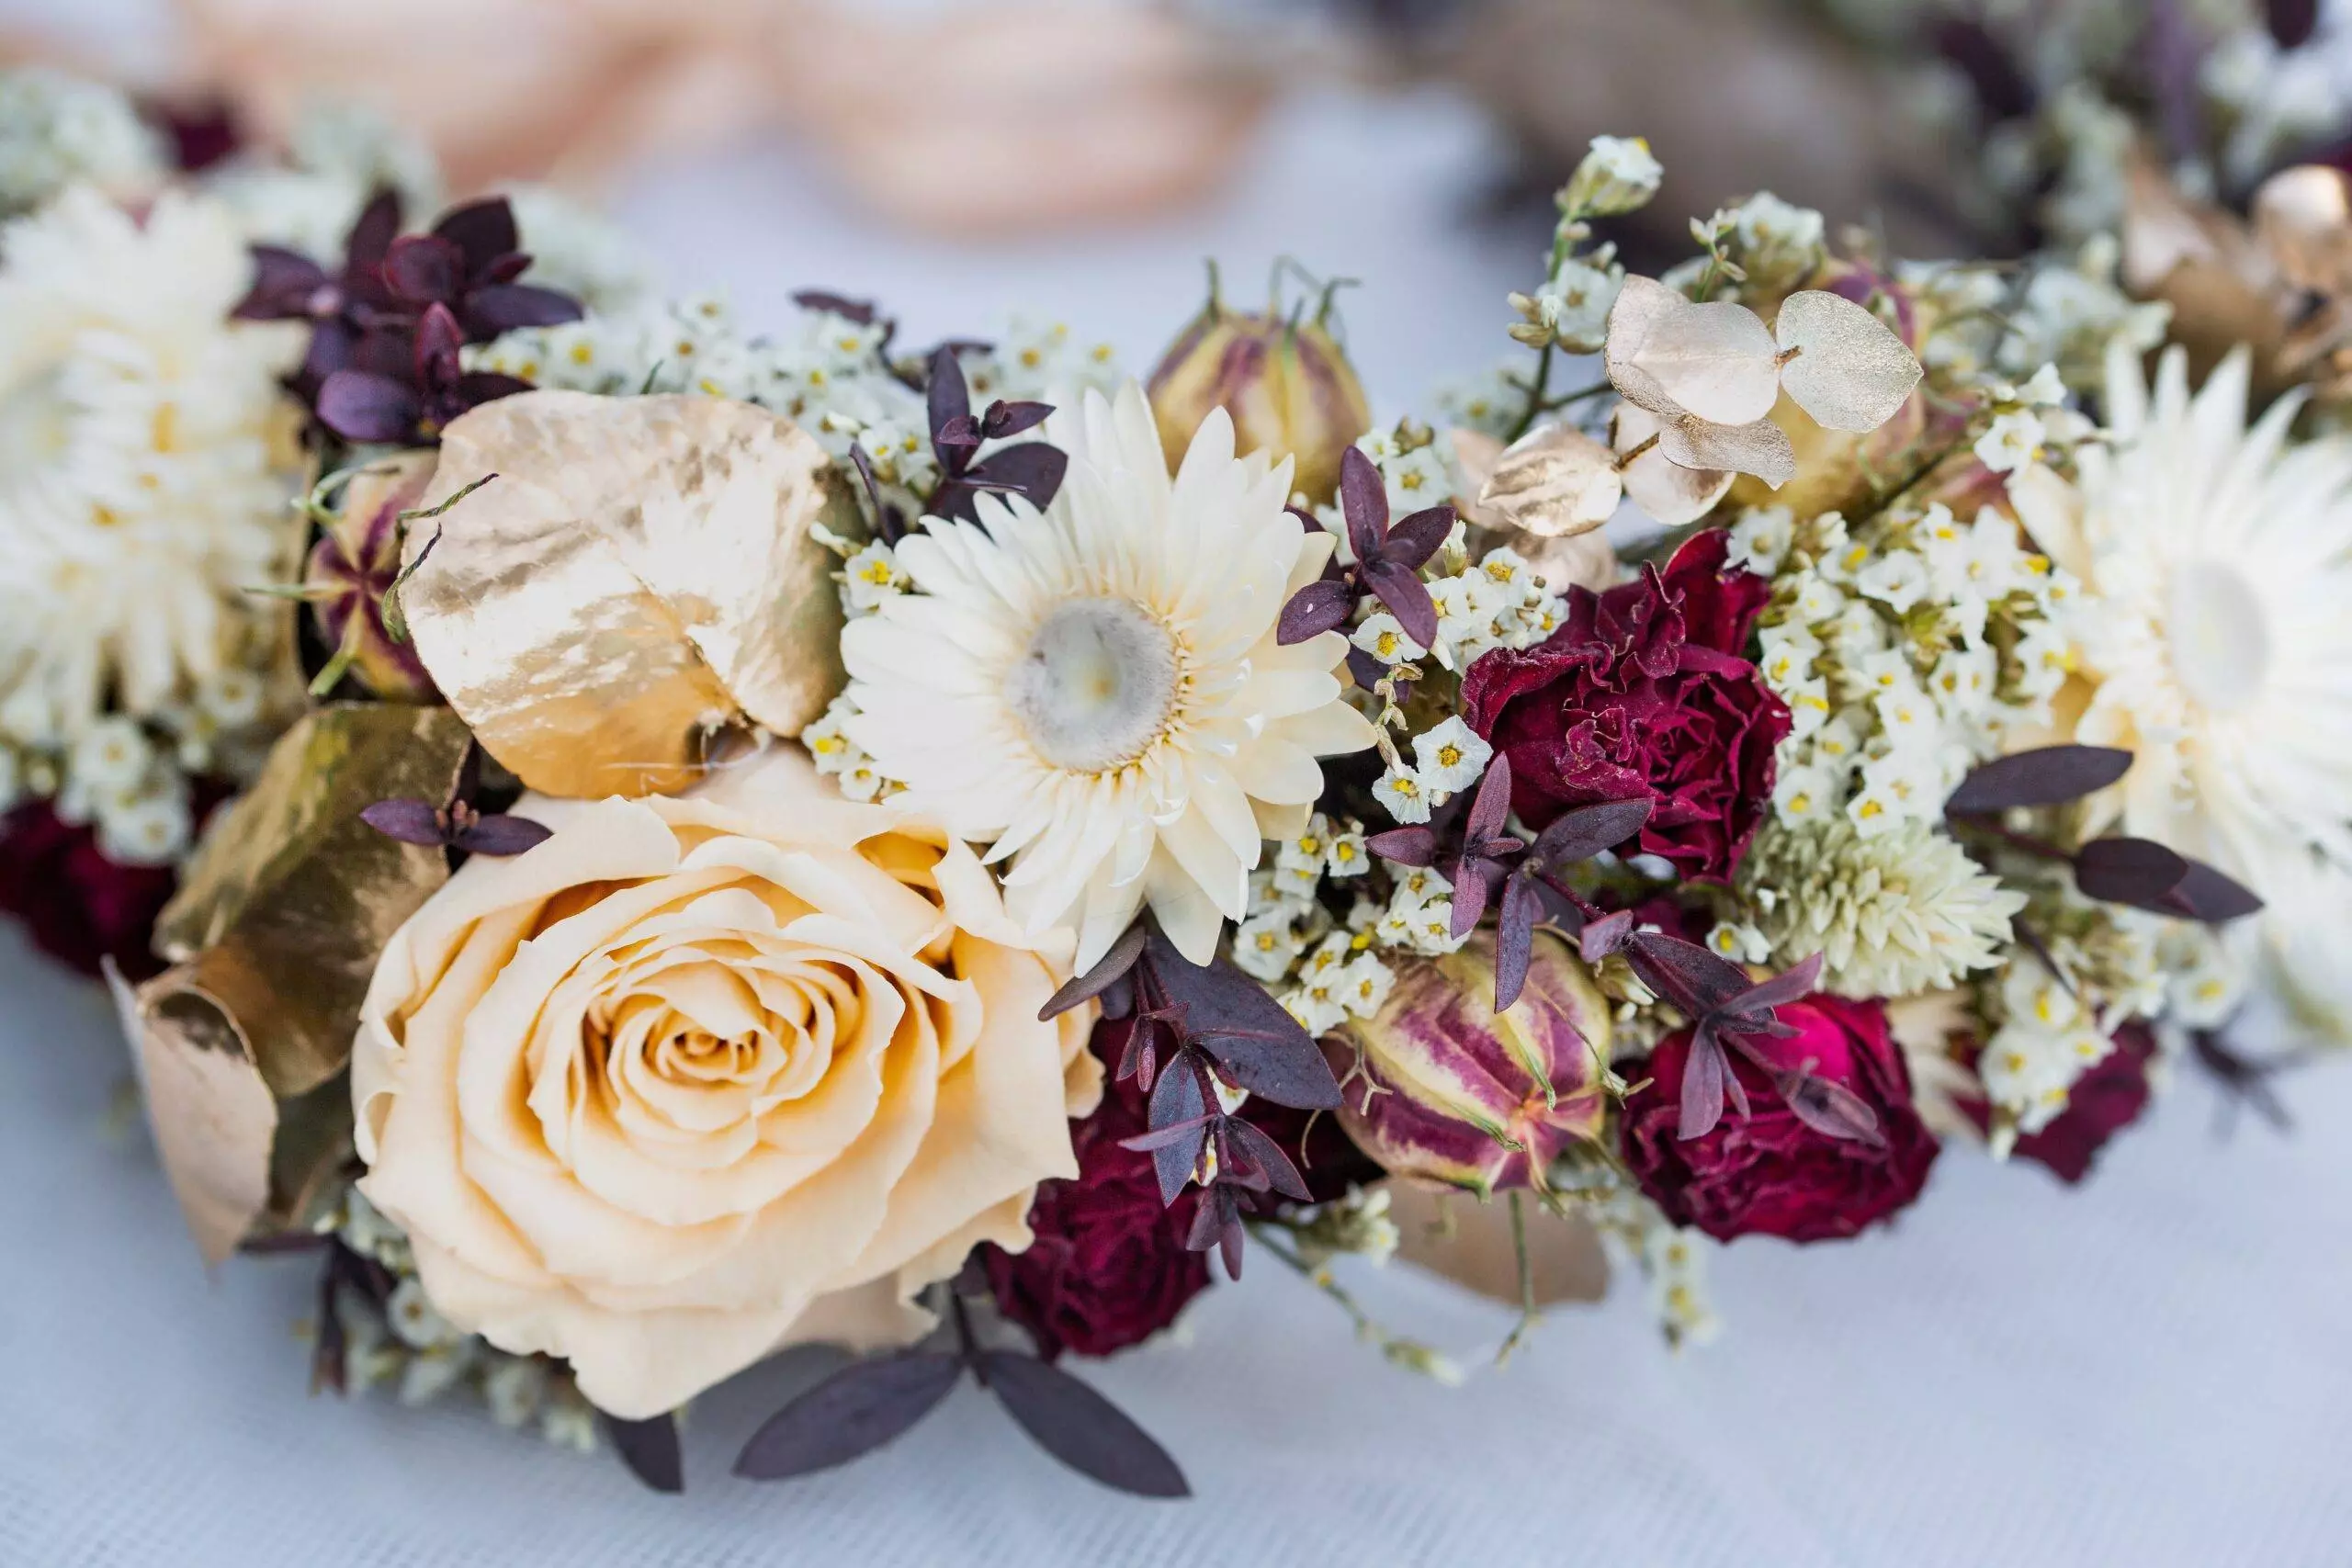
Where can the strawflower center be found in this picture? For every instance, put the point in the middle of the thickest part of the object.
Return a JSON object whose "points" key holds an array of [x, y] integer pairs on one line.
{"points": [[1096, 685]]}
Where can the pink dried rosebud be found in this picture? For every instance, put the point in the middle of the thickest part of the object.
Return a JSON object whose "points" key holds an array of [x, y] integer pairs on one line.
{"points": [[352, 566], [1285, 382], [1448, 1090]]}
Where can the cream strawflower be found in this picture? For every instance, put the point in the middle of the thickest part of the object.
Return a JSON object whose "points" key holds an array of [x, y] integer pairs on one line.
{"points": [[2216, 563], [138, 490], [1097, 687]]}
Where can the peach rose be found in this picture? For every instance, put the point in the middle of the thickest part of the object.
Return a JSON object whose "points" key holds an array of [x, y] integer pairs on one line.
{"points": [[700, 1077]]}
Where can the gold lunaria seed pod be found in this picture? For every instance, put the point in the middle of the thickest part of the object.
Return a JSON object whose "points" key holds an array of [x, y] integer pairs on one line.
{"points": [[1285, 382], [641, 574]]}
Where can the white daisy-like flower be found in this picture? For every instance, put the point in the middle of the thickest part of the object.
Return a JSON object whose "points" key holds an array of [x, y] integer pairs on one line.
{"points": [[1450, 756], [2215, 562], [1402, 792], [138, 491], [1097, 687]]}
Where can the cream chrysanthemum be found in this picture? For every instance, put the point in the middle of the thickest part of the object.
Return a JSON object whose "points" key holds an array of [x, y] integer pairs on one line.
{"points": [[139, 492], [2216, 563], [1891, 914], [1097, 687]]}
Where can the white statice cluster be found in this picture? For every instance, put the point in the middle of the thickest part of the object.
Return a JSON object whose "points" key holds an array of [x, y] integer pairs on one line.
{"points": [[147, 472], [2066, 309], [1323, 968], [402, 1343], [58, 131], [2276, 100]]}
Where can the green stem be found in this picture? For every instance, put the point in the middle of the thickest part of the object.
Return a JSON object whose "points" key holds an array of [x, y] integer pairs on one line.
{"points": [[1527, 1314], [1535, 393]]}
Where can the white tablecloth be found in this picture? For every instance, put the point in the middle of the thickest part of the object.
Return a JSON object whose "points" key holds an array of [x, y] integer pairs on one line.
{"points": [[2152, 1371]]}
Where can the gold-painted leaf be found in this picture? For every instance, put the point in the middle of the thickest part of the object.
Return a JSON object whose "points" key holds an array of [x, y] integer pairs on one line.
{"points": [[1850, 370], [641, 574], [1760, 447], [1670, 493], [1468, 1242], [290, 897], [1555, 483], [1716, 361], [213, 1118]]}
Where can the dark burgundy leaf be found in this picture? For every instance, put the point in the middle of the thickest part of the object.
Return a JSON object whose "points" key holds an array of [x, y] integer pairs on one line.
{"points": [[1606, 934], [481, 230], [505, 269], [849, 1415], [2138, 871], [1319, 607], [858, 311], [2050, 775], [360, 406], [1364, 501], [1830, 1108], [1691, 976], [961, 434], [1703, 1088], [1514, 938], [1113, 963], [476, 388], [2292, 22], [1583, 832], [372, 233], [1031, 468], [503, 835], [1416, 538], [1473, 882], [1268, 1155], [285, 283], [950, 398], [1188, 1133], [1259, 1046], [1176, 1100], [1491, 805], [1400, 588], [2003, 89], [1080, 1428], [1004, 419], [2211, 896], [438, 336], [421, 268], [648, 1447], [502, 307], [1405, 846], [1792, 984], [409, 821], [1228, 1234]]}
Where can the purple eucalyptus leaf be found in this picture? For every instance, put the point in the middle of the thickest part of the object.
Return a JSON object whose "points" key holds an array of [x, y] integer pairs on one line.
{"points": [[1006, 419], [1187, 1133], [476, 388], [1363, 502], [1792, 984], [2292, 22], [1113, 966], [409, 821], [502, 307], [2049, 775], [1491, 805], [1605, 935], [372, 234], [859, 310], [2211, 896], [2137, 872], [1691, 976], [1515, 938], [849, 1415], [1583, 832], [481, 231], [501, 835], [1269, 1155], [1401, 588], [960, 434], [1703, 1088], [421, 268], [950, 398], [1405, 846], [1473, 882], [1177, 1102], [1031, 469], [360, 406], [1414, 540], [284, 285], [650, 1448], [1256, 1044], [1830, 1108], [1320, 606], [1070, 1421]]}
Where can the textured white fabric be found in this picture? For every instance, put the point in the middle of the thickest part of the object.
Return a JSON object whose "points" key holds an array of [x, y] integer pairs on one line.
{"points": [[2152, 1371]]}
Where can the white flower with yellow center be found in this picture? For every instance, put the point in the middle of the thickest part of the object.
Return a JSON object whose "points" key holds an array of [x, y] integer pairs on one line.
{"points": [[2216, 563], [139, 490], [1097, 689]]}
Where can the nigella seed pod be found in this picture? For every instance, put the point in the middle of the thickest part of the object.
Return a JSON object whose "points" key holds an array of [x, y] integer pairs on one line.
{"points": [[1283, 379], [1447, 1089], [353, 565]]}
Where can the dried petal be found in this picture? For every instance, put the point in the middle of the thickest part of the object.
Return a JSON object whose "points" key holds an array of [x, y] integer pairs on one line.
{"points": [[1554, 482], [1851, 371], [642, 572]]}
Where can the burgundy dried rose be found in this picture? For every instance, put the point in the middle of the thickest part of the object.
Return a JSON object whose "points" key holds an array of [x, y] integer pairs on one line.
{"points": [[1768, 1173], [1644, 693], [79, 907], [1108, 1267]]}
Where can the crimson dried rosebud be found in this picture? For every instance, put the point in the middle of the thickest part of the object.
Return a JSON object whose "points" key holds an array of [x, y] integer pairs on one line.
{"points": [[1108, 1267], [1773, 1171], [1644, 693], [79, 907], [2107, 1099]]}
